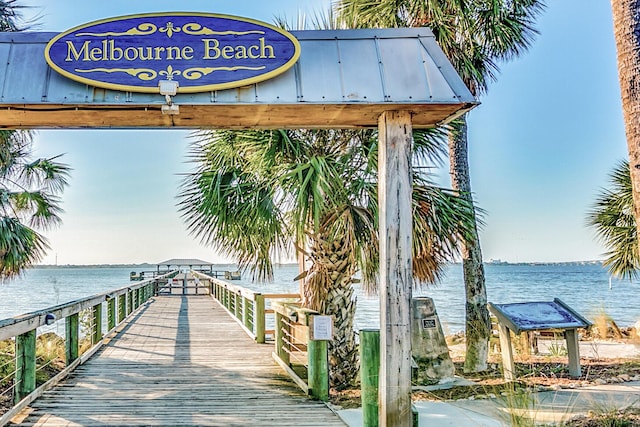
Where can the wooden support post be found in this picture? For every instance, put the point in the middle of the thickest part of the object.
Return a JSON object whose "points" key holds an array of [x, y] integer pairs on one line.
{"points": [[129, 303], [318, 375], [96, 316], [111, 313], [573, 351], [281, 330], [258, 318], [237, 305], [246, 306], [72, 345], [369, 375], [184, 285], [508, 365], [25, 377], [395, 229], [122, 307]]}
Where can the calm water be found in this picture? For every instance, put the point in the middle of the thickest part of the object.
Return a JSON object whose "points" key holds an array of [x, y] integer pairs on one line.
{"points": [[584, 287]]}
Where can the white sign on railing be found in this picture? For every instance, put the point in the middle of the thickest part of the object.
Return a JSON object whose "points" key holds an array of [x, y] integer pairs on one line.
{"points": [[321, 328]]}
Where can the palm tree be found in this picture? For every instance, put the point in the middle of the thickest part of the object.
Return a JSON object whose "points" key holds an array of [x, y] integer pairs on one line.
{"points": [[253, 194], [474, 35], [626, 27], [29, 190], [613, 218], [11, 16]]}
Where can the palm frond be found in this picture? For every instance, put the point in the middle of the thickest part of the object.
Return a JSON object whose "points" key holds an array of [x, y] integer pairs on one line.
{"points": [[613, 218]]}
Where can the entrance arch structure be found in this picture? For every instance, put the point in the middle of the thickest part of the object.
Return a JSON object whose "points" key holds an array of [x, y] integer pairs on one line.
{"points": [[343, 79], [392, 79]]}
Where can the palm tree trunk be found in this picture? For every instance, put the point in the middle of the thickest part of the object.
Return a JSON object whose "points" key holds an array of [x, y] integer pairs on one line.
{"points": [[478, 326], [329, 290], [626, 29]]}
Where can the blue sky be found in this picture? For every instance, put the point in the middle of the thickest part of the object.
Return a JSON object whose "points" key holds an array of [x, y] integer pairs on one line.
{"points": [[541, 145]]}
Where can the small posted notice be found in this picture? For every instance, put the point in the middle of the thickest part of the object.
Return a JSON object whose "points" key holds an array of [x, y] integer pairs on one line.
{"points": [[429, 323], [322, 328]]}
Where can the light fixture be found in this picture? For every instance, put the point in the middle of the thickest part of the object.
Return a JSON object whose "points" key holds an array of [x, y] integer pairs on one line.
{"points": [[49, 319], [169, 88]]}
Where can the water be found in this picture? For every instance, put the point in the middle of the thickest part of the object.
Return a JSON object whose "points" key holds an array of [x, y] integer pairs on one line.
{"points": [[585, 287]]}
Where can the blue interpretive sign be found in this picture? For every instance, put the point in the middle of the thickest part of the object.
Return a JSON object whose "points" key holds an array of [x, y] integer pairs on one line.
{"points": [[531, 316], [201, 52]]}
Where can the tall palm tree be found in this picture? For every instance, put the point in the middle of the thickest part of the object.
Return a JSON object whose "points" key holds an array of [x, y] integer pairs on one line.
{"points": [[29, 190], [475, 35], [613, 217], [626, 30], [253, 194]]}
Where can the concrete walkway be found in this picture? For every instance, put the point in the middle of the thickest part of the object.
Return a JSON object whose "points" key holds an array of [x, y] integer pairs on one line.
{"points": [[544, 407]]}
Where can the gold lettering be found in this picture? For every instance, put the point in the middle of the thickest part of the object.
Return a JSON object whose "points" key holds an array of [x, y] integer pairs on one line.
{"points": [[211, 49], [158, 50], [241, 52], [149, 55], [264, 47], [115, 53], [130, 53], [254, 55], [71, 51], [227, 52], [173, 50], [187, 52], [94, 54]]}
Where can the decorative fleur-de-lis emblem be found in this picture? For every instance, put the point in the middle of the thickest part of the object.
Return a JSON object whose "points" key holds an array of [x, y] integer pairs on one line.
{"points": [[170, 29], [169, 72]]}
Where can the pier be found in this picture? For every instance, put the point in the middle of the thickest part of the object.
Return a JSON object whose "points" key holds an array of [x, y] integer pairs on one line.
{"points": [[174, 358]]}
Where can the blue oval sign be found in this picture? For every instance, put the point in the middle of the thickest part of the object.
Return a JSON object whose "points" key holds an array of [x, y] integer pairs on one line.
{"points": [[202, 52]]}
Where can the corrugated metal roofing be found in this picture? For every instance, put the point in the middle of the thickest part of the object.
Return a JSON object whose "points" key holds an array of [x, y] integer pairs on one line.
{"points": [[344, 78], [184, 262]]}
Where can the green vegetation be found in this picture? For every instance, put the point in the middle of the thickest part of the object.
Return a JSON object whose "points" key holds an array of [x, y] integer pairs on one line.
{"points": [[29, 188], [613, 218], [475, 36], [255, 194], [49, 361]]}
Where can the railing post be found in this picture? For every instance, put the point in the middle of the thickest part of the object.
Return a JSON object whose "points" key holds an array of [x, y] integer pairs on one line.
{"points": [[318, 376], [122, 307], [111, 313], [280, 331], [258, 318], [369, 375], [129, 302], [246, 305], [96, 315], [72, 345], [25, 377], [237, 307]]}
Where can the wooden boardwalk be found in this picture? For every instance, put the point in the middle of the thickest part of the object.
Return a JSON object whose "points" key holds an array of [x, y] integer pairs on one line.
{"points": [[181, 361]]}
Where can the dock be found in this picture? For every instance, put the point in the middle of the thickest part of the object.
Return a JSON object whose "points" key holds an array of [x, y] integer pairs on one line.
{"points": [[178, 361]]}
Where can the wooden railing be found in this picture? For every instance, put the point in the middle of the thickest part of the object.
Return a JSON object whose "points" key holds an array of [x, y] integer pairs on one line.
{"points": [[305, 359], [116, 305], [249, 308]]}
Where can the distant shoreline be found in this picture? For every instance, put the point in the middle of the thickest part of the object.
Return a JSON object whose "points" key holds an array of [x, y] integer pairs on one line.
{"points": [[285, 264]]}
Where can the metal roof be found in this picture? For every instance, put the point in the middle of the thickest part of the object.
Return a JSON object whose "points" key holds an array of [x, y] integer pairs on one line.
{"points": [[184, 262], [344, 78]]}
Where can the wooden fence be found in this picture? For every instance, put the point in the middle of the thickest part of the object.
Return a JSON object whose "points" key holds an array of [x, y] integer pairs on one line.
{"points": [[116, 305], [249, 308]]}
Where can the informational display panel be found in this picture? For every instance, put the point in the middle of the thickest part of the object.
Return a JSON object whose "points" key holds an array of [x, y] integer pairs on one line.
{"points": [[531, 316]]}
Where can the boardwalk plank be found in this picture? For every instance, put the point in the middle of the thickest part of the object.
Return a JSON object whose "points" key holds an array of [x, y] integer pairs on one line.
{"points": [[182, 362]]}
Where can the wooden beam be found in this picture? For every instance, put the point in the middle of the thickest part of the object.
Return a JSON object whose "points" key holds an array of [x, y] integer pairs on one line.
{"points": [[25, 376], [394, 194]]}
